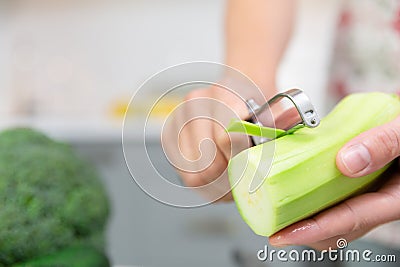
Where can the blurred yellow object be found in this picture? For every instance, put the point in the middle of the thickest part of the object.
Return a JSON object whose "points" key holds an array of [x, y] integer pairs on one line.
{"points": [[159, 109], [119, 108], [164, 107]]}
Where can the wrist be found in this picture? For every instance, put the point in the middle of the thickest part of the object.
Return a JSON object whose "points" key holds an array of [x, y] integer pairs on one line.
{"points": [[264, 78]]}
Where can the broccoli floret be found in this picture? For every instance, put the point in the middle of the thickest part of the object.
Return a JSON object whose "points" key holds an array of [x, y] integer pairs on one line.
{"points": [[50, 198]]}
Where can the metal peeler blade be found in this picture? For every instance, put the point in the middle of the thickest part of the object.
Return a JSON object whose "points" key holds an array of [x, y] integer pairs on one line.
{"points": [[306, 115]]}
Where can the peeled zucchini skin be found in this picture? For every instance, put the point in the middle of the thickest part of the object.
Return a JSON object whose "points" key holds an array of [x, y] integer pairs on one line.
{"points": [[303, 178]]}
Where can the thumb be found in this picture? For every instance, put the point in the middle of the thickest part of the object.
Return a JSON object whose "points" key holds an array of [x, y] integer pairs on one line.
{"points": [[370, 151]]}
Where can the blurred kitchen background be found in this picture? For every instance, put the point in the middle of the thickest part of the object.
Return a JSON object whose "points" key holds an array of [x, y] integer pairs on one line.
{"points": [[69, 69]]}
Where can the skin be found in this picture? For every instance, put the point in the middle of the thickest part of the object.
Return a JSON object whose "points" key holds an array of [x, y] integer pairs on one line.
{"points": [[250, 49], [356, 216], [257, 33]]}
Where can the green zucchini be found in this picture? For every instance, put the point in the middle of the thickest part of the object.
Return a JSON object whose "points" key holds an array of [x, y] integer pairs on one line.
{"points": [[303, 178]]}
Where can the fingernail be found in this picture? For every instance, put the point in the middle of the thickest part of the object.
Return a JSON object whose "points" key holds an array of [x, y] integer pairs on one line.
{"points": [[356, 158], [278, 241], [295, 234]]}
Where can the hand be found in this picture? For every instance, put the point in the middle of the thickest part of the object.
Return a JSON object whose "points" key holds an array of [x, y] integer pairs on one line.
{"points": [[354, 217], [196, 143]]}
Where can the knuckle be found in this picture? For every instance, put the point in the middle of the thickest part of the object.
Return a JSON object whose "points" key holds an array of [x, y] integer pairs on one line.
{"points": [[358, 223], [190, 96], [389, 141], [222, 139], [203, 177], [192, 179], [193, 182], [213, 171], [195, 94]]}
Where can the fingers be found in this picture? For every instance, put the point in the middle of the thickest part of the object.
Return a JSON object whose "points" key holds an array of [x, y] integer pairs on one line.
{"points": [[205, 161], [370, 151], [356, 215], [332, 243], [229, 143], [203, 147], [287, 119]]}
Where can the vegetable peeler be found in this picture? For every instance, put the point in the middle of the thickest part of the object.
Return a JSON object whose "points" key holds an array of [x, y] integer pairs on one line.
{"points": [[304, 114]]}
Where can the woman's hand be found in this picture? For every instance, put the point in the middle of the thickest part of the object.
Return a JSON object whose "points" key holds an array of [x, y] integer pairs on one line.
{"points": [[196, 143], [354, 217]]}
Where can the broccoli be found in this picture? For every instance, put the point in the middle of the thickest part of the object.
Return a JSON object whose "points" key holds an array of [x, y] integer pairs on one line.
{"points": [[49, 198]]}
